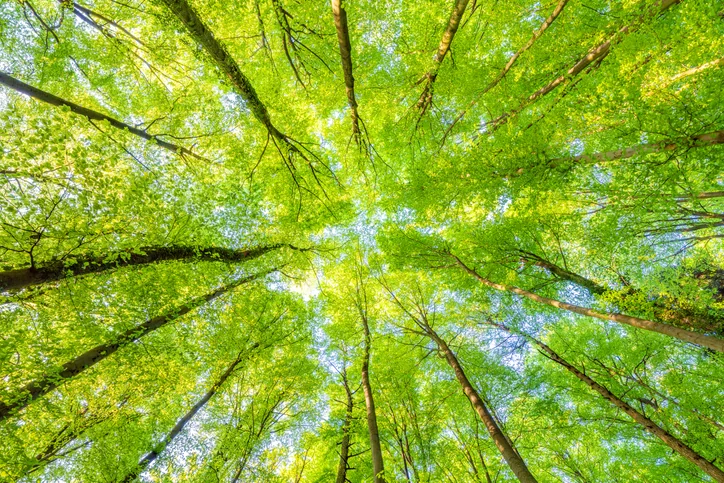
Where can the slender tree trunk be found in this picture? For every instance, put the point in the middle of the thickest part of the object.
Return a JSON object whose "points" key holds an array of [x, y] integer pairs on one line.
{"points": [[670, 440], [536, 35], [564, 274], [594, 55], [377, 462], [460, 437], [53, 270], [689, 72], [345, 52], [685, 335], [344, 446], [176, 430], [91, 13], [661, 305], [254, 436], [445, 42], [91, 357], [511, 456], [701, 196], [451, 29], [657, 393], [709, 139], [488, 479], [70, 432], [92, 115], [221, 57]]}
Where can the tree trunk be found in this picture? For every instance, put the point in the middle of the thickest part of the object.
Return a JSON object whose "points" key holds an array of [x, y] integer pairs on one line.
{"points": [[450, 30], [685, 335], [344, 447], [221, 57], [511, 456], [661, 306], [92, 115], [670, 440], [53, 270], [709, 139], [564, 274], [693, 71], [74, 367], [377, 462], [345, 52], [445, 42], [151, 456]]}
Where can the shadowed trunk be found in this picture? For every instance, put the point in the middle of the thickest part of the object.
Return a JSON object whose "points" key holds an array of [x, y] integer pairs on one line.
{"points": [[344, 446], [685, 335], [670, 440], [54, 270], [221, 57], [503, 443], [377, 462], [91, 357], [92, 115], [345, 52], [151, 456]]}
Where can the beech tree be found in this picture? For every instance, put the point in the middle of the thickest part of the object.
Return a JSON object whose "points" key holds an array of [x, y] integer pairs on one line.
{"points": [[357, 241]]}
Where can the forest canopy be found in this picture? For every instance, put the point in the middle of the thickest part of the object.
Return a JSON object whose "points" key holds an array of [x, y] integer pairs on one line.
{"points": [[362, 241]]}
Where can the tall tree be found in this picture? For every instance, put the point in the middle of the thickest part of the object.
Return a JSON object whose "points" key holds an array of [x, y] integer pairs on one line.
{"points": [[91, 357], [183, 421], [360, 301], [502, 441], [345, 52], [710, 342], [429, 78], [670, 440], [19, 86], [345, 444], [73, 265]]}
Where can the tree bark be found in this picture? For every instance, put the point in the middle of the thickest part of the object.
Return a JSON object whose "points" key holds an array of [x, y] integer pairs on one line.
{"points": [[445, 42], [596, 54], [92, 115], [670, 440], [503, 443], [76, 366], [377, 462], [511, 456], [685, 335], [53, 270], [151, 456], [344, 446], [693, 71], [345, 52], [661, 306], [221, 57], [564, 274]]}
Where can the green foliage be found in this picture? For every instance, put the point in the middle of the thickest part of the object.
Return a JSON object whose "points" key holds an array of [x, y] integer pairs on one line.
{"points": [[540, 201]]}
